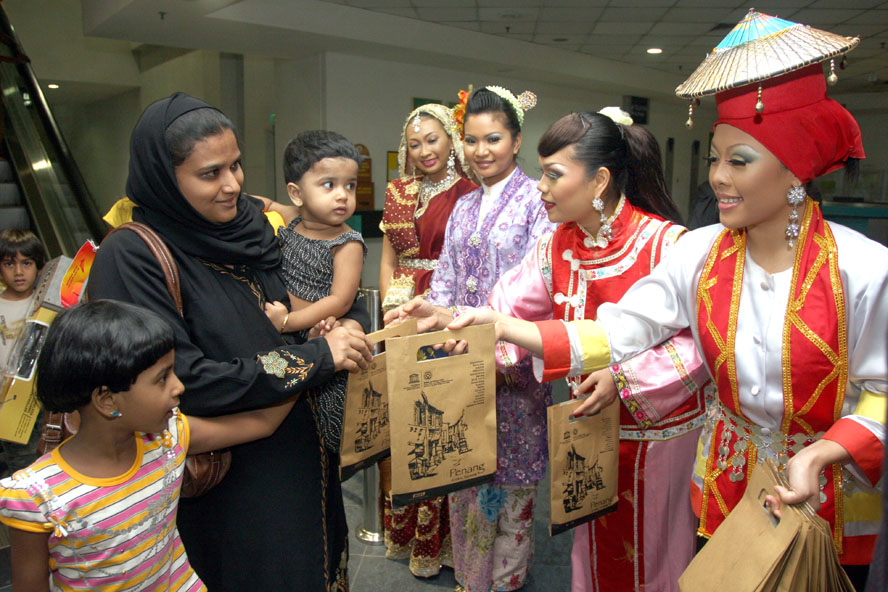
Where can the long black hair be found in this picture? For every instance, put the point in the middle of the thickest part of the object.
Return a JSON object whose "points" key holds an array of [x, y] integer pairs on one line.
{"points": [[630, 153]]}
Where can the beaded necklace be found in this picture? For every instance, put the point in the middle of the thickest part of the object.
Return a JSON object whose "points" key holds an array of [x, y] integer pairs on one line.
{"points": [[429, 189]]}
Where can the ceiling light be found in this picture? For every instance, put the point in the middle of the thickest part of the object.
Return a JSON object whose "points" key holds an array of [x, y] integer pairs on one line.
{"points": [[654, 50], [52, 86]]}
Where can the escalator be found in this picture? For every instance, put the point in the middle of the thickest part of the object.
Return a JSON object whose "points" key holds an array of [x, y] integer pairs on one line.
{"points": [[41, 187]]}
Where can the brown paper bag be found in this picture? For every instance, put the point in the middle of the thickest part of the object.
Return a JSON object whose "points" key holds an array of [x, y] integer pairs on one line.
{"points": [[443, 415], [583, 464], [754, 551], [747, 546], [365, 419]]}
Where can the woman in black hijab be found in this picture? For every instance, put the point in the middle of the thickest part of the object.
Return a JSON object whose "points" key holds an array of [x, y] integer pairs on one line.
{"points": [[276, 521]]}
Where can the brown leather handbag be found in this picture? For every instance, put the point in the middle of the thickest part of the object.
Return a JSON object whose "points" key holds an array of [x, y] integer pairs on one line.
{"points": [[202, 471]]}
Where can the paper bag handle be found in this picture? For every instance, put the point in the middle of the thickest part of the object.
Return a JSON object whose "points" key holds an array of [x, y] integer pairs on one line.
{"points": [[405, 329], [470, 334]]}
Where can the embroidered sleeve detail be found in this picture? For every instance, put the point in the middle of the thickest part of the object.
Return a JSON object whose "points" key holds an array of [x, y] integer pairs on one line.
{"points": [[633, 403], [285, 365]]}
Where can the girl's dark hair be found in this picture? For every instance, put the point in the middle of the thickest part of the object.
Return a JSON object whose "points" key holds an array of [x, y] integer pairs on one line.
{"points": [[17, 241], [101, 343], [630, 153], [309, 148], [190, 128], [485, 101]]}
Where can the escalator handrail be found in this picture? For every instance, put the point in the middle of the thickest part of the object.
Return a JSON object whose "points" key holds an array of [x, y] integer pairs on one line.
{"points": [[80, 191]]}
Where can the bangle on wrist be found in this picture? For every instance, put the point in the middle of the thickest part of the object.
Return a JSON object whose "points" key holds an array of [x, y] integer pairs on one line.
{"points": [[284, 324]]}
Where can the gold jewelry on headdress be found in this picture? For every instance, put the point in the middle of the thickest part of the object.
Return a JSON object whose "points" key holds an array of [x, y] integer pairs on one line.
{"points": [[521, 104], [445, 116]]}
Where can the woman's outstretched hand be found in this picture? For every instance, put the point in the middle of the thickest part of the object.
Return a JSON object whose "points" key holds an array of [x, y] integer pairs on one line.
{"points": [[602, 391], [350, 348], [428, 316]]}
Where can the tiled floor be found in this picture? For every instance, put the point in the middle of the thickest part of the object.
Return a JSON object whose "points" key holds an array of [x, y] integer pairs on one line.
{"points": [[370, 571]]}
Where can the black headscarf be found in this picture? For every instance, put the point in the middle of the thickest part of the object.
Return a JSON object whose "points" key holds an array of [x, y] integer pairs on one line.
{"points": [[246, 240]]}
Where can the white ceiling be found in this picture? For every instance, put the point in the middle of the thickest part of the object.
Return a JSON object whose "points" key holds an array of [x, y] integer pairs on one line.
{"points": [[624, 29], [574, 43]]}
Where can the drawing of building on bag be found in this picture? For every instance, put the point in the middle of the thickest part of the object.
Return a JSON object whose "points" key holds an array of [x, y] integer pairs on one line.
{"points": [[578, 480], [373, 416], [433, 439]]}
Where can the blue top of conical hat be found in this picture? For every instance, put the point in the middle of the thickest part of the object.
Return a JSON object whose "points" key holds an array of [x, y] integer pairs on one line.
{"points": [[754, 25], [761, 47]]}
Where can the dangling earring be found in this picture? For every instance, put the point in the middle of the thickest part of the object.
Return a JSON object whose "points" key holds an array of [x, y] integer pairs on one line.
{"points": [[604, 231], [451, 164], [795, 197]]}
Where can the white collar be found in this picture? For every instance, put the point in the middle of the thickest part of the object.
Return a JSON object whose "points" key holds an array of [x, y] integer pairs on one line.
{"points": [[497, 188]]}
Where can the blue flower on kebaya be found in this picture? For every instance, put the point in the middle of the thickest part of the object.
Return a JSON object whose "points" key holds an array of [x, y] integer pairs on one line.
{"points": [[491, 499]]}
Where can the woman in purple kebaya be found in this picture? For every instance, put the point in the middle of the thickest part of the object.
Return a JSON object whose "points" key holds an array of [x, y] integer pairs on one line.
{"points": [[489, 231]]}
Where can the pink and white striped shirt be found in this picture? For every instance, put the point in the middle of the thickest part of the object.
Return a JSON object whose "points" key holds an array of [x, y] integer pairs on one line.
{"points": [[108, 534]]}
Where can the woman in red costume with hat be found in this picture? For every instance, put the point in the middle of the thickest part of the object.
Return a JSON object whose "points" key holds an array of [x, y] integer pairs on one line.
{"points": [[788, 310]]}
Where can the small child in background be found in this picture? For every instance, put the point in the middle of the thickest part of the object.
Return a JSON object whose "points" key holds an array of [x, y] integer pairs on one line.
{"points": [[22, 256], [99, 511], [323, 256]]}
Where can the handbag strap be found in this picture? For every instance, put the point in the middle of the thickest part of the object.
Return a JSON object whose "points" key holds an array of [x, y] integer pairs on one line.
{"points": [[53, 431], [162, 253]]}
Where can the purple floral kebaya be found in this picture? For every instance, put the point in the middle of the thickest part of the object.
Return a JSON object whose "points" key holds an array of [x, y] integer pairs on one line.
{"points": [[472, 260]]}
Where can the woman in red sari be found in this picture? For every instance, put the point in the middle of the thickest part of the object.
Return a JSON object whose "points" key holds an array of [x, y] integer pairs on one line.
{"points": [[433, 175]]}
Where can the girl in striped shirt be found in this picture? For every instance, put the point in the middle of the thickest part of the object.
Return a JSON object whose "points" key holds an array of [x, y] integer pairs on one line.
{"points": [[99, 511]]}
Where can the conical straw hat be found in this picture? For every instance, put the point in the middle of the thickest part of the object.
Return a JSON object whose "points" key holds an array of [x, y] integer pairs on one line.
{"points": [[761, 47]]}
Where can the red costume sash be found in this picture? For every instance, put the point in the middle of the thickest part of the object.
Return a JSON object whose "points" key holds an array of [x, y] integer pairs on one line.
{"points": [[814, 360]]}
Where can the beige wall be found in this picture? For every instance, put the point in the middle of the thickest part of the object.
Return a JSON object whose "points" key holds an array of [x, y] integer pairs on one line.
{"points": [[197, 73], [368, 99], [40, 23], [299, 104], [98, 135]]}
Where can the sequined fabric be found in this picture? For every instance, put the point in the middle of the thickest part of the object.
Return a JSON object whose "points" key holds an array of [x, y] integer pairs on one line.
{"points": [[422, 533]]}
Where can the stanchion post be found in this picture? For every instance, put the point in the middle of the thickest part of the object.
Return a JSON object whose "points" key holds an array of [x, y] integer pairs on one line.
{"points": [[370, 530]]}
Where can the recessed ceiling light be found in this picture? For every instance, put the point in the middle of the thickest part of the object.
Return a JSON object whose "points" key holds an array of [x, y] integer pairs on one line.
{"points": [[654, 50], [52, 86]]}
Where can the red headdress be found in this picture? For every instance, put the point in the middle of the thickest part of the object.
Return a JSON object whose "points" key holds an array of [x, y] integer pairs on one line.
{"points": [[779, 96]]}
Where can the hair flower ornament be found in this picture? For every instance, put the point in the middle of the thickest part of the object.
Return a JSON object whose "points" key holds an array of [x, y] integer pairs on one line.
{"points": [[459, 111], [521, 104], [617, 115]]}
